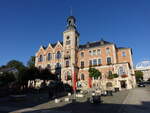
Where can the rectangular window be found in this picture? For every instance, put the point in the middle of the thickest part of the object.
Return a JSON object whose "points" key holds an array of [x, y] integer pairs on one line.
{"points": [[67, 42], [99, 62], [82, 54], [108, 60], [82, 64], [107, 51], [94, 62], [94, 52], [98, 52], [90, 63], [90, 52]]}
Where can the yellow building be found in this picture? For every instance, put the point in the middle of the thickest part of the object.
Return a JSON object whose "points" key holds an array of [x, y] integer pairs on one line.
{"points": [[69, 57]]}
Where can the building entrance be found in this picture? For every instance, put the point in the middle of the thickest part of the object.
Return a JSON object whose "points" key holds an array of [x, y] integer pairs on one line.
{"points": [[123, 84]]}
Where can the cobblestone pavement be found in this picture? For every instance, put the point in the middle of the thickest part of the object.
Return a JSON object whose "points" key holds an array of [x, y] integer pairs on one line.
{"points": [[111, 104], [137, 101]]}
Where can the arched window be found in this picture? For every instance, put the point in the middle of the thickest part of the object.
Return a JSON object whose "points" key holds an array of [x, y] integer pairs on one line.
{"points": [[41, 58], [82, 76], [68, 76], [58, 55], [67, 63], [58, 65], [110, 73], [109, 84], [49, 56], [40, 67], [121, 71]]}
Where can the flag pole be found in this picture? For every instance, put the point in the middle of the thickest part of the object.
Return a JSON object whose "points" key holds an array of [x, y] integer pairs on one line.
{"points": [[74, 84]]}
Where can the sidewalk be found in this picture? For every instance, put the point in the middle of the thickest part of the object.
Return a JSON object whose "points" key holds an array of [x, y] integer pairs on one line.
{"points": [[137, 101]]}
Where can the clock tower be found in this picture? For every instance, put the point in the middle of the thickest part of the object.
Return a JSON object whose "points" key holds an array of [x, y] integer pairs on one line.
{"points": [[70, 49]]}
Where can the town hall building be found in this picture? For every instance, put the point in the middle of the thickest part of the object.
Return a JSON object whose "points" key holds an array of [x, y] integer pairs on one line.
{"points": [[68, 57]]}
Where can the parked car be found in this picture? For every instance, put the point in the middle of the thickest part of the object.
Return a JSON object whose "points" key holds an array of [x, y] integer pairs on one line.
{"points": [[141, 84]]}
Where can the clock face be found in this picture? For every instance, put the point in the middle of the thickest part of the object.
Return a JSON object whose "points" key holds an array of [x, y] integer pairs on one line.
{"points": [[68, 37]]}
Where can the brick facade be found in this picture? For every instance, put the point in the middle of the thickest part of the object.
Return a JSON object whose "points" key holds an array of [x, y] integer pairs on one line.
{"points": [[74, 58]]}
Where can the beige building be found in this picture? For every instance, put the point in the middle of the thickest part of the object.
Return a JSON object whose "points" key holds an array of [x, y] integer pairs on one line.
{"points": [[144, 66], [69, 57]]}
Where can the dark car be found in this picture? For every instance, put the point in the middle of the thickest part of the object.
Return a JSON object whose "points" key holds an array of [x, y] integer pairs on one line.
{"points": [[141, 84]]}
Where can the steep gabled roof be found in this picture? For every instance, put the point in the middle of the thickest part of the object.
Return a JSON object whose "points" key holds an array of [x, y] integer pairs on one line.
{"points": [[53, 45]]}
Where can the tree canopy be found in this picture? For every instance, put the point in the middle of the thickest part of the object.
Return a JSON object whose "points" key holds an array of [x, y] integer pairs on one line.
{"points": [[94, 73], [6, 78], [16, 64], [139, 75]]}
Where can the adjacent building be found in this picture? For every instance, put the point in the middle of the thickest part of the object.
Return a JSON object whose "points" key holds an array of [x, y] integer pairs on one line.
{"points": [[144, 66], [69, 57]]}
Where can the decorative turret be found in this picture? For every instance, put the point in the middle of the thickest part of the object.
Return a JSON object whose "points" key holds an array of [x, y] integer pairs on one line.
{"points": [[71, 23]]}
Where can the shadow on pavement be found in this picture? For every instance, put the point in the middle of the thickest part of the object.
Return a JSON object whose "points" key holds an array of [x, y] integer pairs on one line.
{"points": [[86, 107]]}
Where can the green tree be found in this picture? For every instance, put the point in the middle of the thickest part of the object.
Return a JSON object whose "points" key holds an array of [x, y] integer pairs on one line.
{"points": [[94, 73], [33, 73], [45, 74], [7, 78], [139, 76], [31, 62], [16, 64]]}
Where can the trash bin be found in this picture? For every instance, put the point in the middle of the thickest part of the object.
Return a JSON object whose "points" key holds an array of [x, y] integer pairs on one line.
{"points": [[95, 99], [116, 89]]}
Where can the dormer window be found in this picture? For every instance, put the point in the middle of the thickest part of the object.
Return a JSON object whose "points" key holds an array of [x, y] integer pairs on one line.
{"points": [[123, 54]]}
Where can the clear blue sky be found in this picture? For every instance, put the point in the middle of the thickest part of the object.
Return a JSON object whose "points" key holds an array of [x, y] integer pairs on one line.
{"points": [[27, 24]]}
